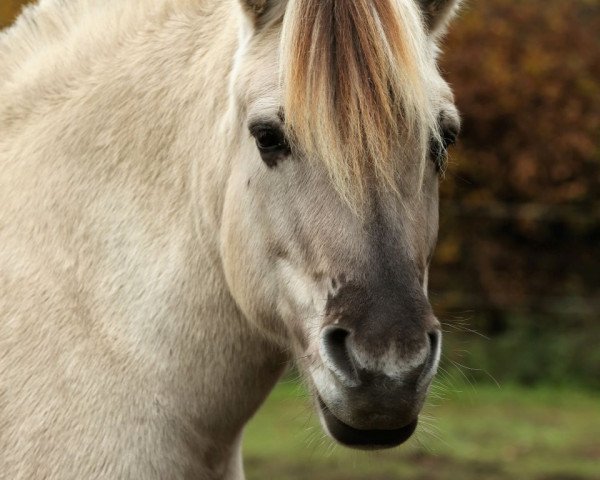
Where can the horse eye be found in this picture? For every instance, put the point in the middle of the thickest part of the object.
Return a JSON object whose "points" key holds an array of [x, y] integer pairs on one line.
{"points": [[269, 139], [271, 143], [439, 147], [439, 154], [449, 136]]}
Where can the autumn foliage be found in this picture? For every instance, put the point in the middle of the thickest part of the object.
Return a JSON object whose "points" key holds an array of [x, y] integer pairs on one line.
{"points": [[522, 203]]}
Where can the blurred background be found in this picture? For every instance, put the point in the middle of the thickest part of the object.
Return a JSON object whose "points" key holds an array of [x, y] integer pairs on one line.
{"points": [[516, 279]]}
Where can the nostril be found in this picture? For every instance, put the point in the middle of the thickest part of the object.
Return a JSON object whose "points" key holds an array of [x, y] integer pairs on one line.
{"points": [[434, 341], [336, 355], [433, 359]]}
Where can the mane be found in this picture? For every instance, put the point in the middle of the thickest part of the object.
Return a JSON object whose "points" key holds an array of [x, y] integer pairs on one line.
{"points": [[46, 27], [354, 79], [40, 26]]}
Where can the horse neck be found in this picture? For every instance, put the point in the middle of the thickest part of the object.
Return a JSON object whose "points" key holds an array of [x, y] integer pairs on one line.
{"points": [[236, 365], [164, 88]]}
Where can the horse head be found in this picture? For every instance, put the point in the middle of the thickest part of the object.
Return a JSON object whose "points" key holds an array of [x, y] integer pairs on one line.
{"points": [[331, 213]]}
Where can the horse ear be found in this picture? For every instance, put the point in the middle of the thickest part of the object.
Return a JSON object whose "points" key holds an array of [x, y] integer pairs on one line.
{"points": [[438, 13], [260, 11]]}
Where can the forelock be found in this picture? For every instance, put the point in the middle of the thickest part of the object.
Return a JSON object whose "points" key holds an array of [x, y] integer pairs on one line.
{"points": [[355, 89]]}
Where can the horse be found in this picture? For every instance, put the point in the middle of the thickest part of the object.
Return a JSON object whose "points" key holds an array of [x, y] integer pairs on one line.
{"points": [[197, 193]]}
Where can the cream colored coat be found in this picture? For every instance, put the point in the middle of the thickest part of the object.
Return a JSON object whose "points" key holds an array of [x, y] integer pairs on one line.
{"points": [[112, 301]]}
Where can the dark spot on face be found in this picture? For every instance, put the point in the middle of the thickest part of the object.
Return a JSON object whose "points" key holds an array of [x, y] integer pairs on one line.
{"points": [[352, 303], [277, 250], [318, 276]]}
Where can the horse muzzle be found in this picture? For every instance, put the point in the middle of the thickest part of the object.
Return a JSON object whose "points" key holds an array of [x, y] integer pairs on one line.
{"points": [[372, 405]]}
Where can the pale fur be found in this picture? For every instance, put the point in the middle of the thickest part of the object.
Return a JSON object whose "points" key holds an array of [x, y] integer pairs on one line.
{"points": [[133, 341]]}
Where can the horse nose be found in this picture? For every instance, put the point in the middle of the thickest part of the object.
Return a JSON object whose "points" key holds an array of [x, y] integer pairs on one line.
{"points": [[353, 366]]}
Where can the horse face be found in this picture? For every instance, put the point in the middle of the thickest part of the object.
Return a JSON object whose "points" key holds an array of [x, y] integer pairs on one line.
{"points": [[345, 292]]}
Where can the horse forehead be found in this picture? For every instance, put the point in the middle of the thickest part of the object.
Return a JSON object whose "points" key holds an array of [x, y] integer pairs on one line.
{"points": [[258, 78]]}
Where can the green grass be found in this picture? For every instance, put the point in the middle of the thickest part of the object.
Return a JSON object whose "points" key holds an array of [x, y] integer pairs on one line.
{"points": [[473, 432]]}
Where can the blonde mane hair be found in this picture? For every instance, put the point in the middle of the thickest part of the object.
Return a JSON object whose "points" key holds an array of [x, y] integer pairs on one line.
{"points": [[355, 89]]}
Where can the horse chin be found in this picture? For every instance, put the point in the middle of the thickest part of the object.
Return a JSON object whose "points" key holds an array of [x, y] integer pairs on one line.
{"points": [[361, 439]]}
